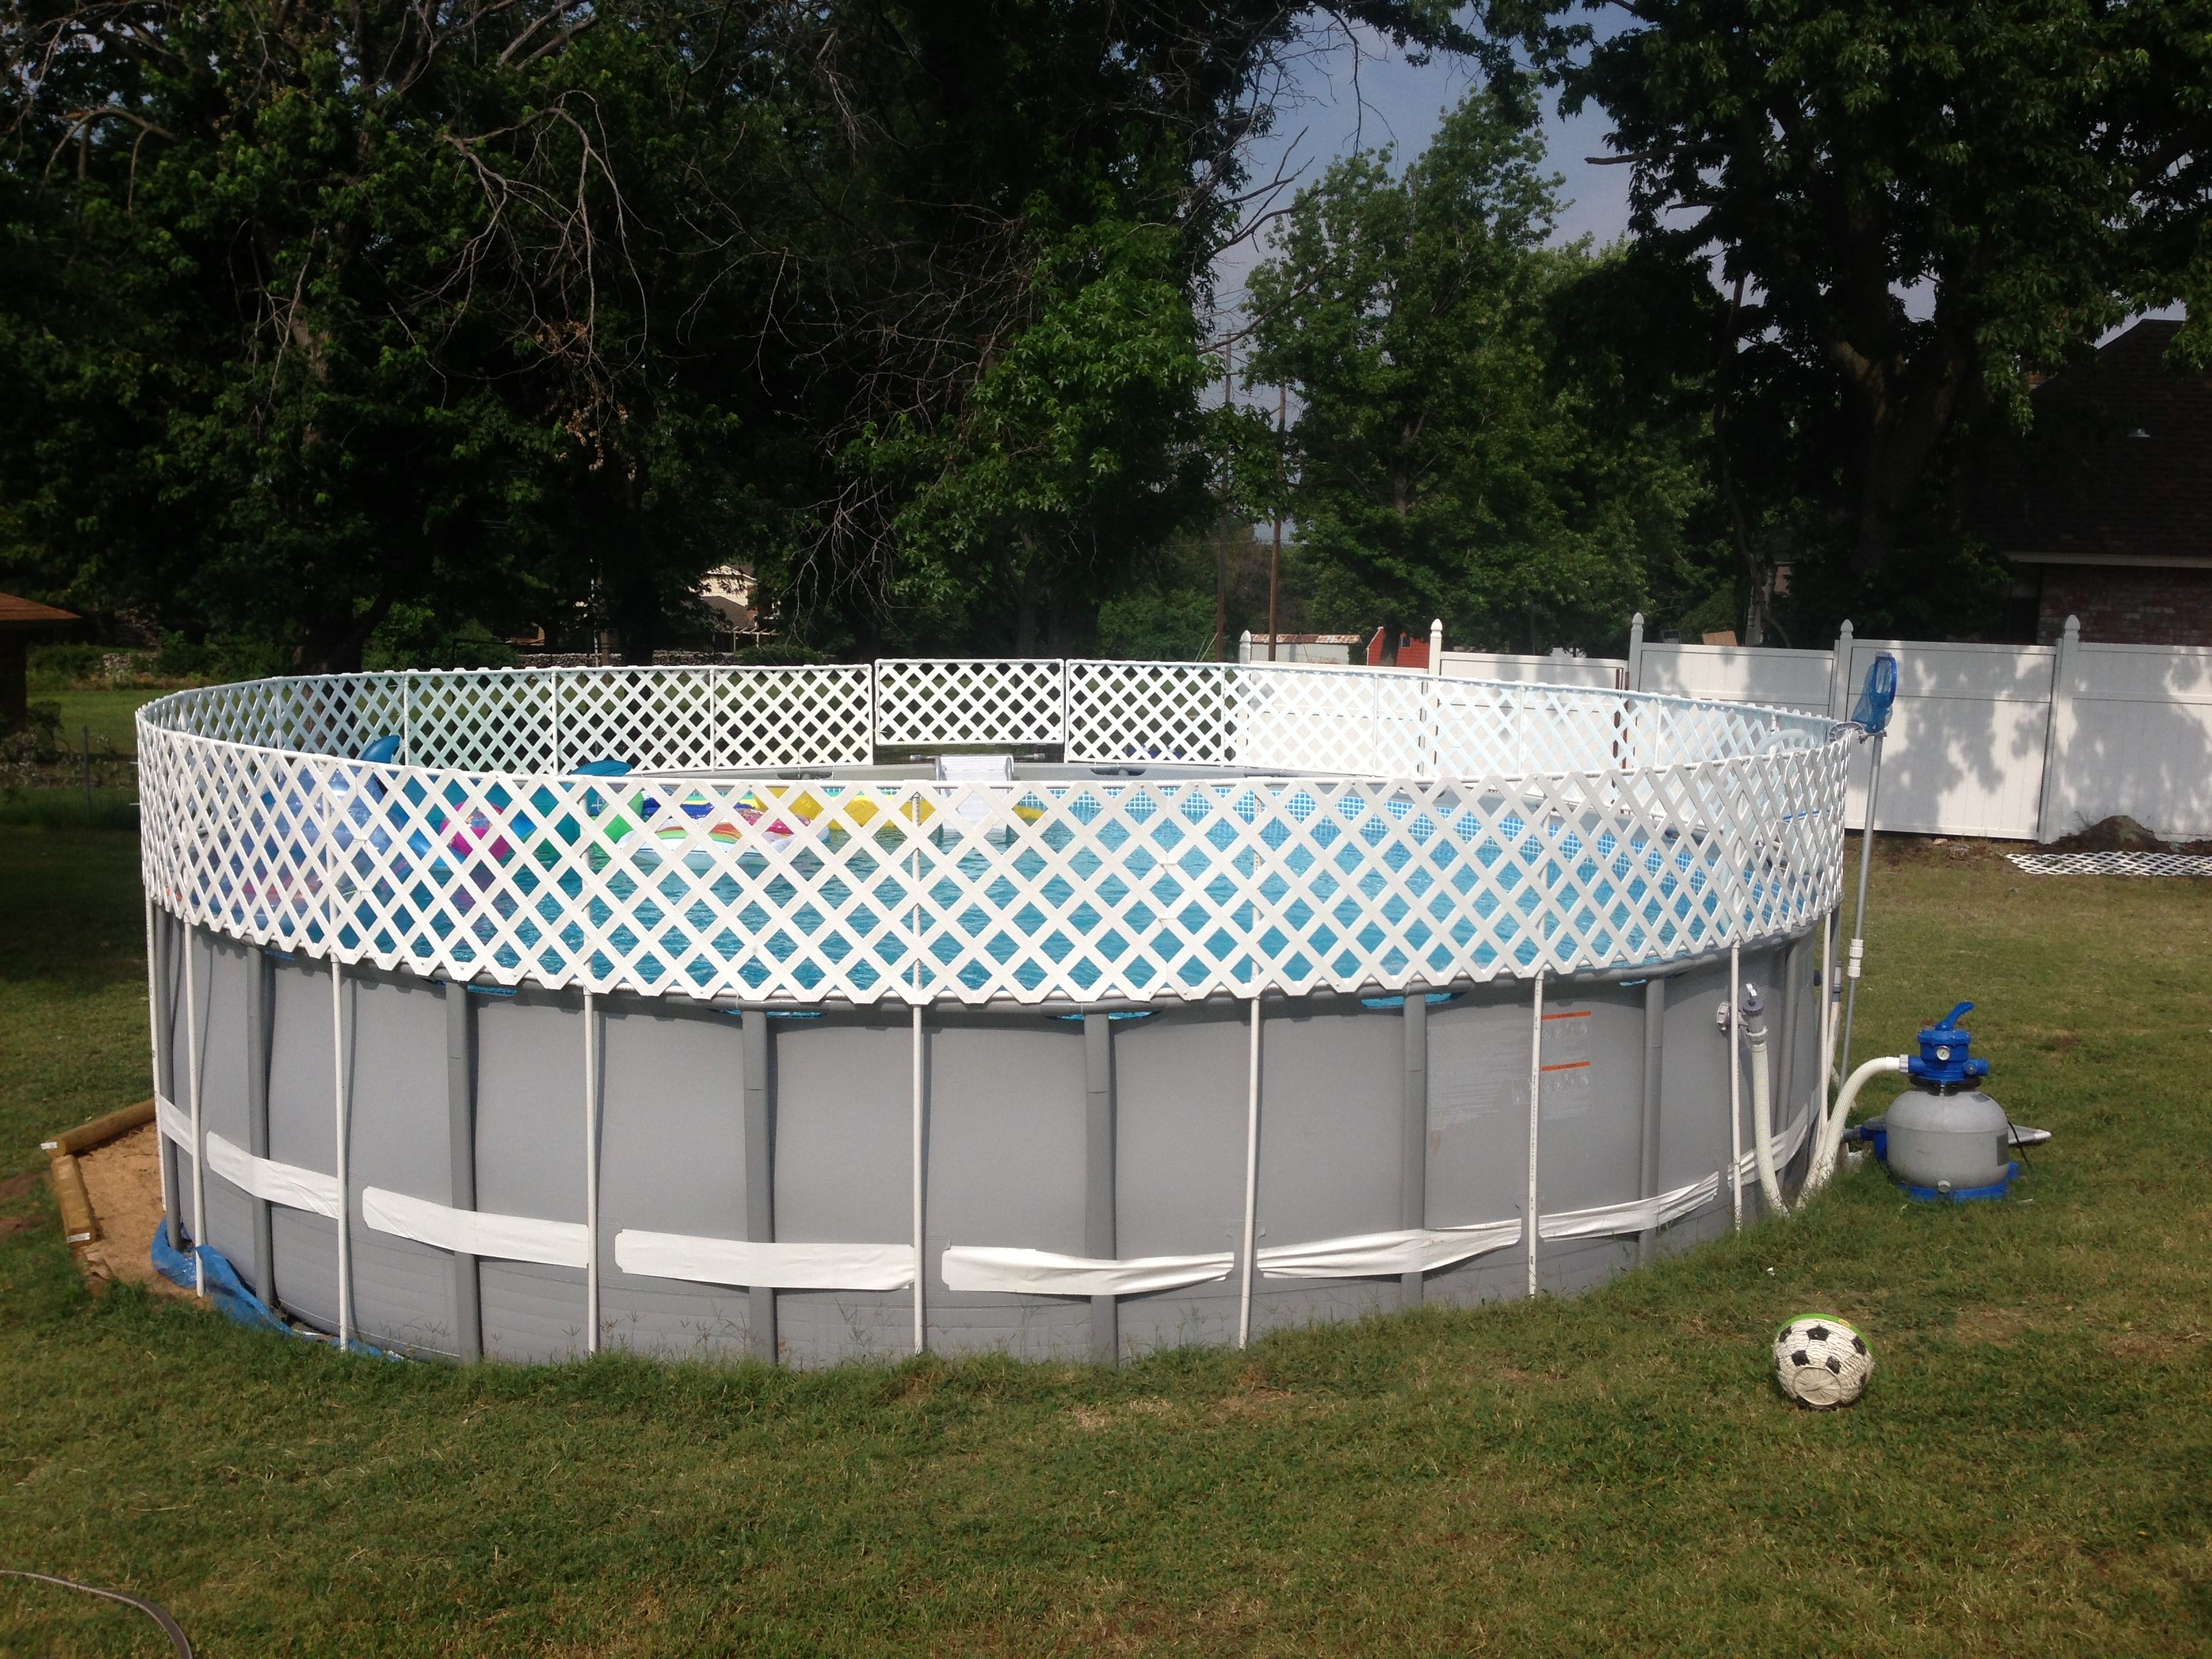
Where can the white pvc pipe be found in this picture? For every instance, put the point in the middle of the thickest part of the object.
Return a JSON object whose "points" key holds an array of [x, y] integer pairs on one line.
{"points": [[199, 1128], [1762, 1119], [1535, 1101], [345, 1188], [1251, 1183], [153, 1046], [920, 1311], [1831, 1127], [591, 1174], [1735, 1084], [1826, 1025]]}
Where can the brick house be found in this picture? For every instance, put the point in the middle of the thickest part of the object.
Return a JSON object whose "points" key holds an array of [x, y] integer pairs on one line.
{"points": [[2104, 510]]}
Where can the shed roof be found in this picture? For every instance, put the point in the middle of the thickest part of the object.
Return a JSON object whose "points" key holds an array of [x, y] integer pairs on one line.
{"points": [[17, 612]]}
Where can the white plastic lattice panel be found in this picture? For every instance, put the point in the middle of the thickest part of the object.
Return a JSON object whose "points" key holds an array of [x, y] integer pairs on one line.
{"points": [[651, 719], [797, 716], [849, 891], [1014, 701], [1152, 711], [1364, 722], [479, 720]]}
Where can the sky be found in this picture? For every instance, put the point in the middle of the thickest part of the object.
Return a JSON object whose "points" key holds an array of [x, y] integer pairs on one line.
{"points": [[1348, 97]]}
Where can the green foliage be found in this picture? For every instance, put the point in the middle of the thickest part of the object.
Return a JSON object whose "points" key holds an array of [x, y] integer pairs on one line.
{"points": [[1482, 437], [314, 315], [1155, 625], [1083, 449], [416, 636], [1920, 207]]}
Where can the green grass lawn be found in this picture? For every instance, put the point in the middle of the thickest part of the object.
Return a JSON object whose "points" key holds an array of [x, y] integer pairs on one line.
{"points": [[108, 710], [2030, 1473]]}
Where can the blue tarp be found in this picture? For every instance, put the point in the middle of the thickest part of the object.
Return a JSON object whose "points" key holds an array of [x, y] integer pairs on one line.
{"points": [[230, 1294]]}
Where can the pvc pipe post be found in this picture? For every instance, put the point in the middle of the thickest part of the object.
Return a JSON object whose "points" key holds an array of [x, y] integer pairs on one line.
{"points": [[162, 1151], [591, 1174], [920, 1277], [1251, 1182], [343, 1128], [199, 1128], [1535, 1101], [1735, 1084]]}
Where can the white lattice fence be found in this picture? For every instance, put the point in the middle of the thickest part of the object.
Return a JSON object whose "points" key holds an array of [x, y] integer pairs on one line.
{"points": [[1152, 711], [808, 892], [1011, 702], [1365, 722]]}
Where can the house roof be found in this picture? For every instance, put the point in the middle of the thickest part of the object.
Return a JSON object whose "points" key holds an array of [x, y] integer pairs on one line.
{"points": [[29, 613], [2118, 469]]}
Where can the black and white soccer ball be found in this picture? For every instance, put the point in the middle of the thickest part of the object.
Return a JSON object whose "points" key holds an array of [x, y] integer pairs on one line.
{"points": [[1821, 1362]]}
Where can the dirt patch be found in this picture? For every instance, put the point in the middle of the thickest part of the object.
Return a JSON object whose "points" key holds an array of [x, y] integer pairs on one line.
{"points": [[2153, 1345], [18, 1186], [1998, 1325], [123, 1179], [2121, 834]]}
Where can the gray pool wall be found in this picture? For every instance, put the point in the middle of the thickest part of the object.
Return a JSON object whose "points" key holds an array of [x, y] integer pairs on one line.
{"points": [[1092, 1137]]}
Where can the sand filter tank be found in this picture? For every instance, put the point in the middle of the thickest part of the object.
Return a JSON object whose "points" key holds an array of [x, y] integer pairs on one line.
{"points": [[1943, 1138]]}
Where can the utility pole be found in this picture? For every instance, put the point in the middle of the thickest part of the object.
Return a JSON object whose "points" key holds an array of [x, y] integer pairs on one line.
{"points": [[1220, 542], [1275, 559]]}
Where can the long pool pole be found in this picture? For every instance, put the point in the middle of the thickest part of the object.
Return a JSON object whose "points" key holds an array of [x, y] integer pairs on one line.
{"points": [[1858, 926]]}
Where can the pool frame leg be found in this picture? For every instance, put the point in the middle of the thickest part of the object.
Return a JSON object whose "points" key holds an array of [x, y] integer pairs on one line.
{"points": [[461, 1132], [1655, 1063], [165, 1074], [760, 1173], [1098, 1198], [1413, 1135], [260, 990]]}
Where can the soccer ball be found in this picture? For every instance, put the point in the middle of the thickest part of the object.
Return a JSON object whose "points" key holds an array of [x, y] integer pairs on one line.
{"points": [[1821, 1362]]}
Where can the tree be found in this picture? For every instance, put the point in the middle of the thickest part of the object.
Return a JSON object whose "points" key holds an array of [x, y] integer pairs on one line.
{"points": [[1482, 437], [323, 311], [1916, 208]]}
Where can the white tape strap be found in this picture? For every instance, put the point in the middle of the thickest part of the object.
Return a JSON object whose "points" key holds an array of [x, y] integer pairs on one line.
{"points": [[475, 1232], [1368, 1255], [1041, 1272], [288, 1184], [1633, 1216], [770, 1267], [1786, 1147], [279, 1183]]}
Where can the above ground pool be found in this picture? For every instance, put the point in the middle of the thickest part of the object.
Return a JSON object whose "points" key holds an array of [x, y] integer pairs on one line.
{"points": [[1072, 1009]]}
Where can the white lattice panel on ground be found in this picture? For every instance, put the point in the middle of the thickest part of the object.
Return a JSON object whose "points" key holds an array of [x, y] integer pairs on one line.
{"points": [[2112, 863], [1014, 703]]}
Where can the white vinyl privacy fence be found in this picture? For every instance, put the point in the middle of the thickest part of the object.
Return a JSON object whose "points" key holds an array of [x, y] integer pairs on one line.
{"points": [[2019, 742]]}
